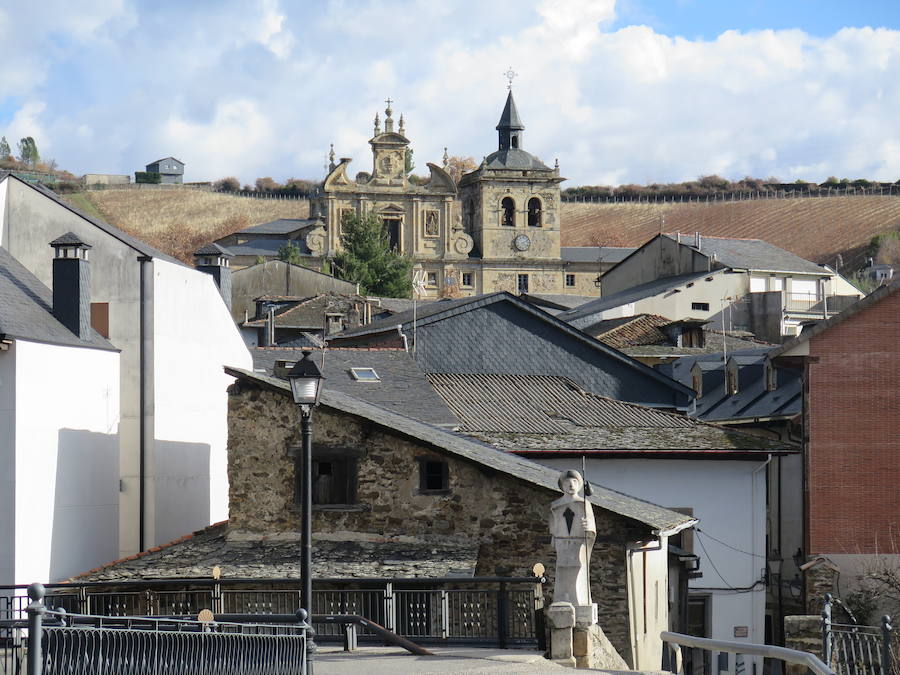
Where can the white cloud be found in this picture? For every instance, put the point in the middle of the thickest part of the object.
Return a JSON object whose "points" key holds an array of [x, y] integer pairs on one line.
{"points": [[263, 88]]}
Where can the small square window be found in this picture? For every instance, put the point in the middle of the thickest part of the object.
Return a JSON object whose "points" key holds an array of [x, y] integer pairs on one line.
{"points": [[522, 283], [570, 280], [700, 306], [434, 475], [365, 375], [432, 279], [467, 279]]}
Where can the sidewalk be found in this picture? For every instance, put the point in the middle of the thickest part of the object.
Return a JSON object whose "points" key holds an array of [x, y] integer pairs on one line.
{"points": [[331, 660]]}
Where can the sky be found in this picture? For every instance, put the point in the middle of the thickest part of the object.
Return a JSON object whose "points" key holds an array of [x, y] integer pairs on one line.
{"points": [[620, 91]]}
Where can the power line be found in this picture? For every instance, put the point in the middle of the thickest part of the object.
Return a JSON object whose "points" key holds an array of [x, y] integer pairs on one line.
{"points": [[705, 534]]}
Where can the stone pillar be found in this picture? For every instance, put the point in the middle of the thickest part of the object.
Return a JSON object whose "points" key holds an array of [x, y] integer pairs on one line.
{"points": [[561, 618]]}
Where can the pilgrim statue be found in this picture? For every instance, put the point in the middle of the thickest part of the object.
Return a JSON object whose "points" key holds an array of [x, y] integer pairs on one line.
{"points": [[573, 532]]}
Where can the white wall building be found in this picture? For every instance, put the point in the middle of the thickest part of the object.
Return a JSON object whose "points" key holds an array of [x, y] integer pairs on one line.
{"points": [[175, 335], [59, 442]]}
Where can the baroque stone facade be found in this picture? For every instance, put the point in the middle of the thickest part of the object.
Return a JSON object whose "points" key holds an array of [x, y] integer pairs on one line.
{"points": [[499, 230], [504, 515]]}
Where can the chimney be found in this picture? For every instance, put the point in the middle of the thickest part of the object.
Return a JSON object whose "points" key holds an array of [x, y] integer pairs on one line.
{"points": [[697, 240], [213, 260], [72, 284]]}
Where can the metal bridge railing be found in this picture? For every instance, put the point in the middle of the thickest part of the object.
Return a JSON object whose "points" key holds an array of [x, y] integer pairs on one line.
{"points": [[60, 643], [852, 649], [776, 656]]}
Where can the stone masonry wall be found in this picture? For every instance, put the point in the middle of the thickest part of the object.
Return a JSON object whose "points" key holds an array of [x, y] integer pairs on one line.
{"points": [[507, 516]]}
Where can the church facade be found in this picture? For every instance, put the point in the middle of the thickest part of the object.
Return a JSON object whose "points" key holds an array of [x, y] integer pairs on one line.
{"points": [[497, 230]]}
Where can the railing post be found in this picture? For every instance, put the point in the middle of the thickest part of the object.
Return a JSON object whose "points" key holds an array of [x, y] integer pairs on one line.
{"points": [[886, 655], [309, 643], [502, 616], [35, 612], [390, 610], [826, 630], [445, 615]]}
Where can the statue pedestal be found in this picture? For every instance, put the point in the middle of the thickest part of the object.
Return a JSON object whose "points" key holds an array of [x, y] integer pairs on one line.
{"points": [[586, 615], [561, 618]]}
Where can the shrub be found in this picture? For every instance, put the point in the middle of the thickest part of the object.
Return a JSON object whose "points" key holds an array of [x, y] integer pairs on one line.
{"points": [[147, 177]]}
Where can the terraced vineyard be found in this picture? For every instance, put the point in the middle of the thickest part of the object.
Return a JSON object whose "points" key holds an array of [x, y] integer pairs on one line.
{"points": [[178, 221], [816, 228]]}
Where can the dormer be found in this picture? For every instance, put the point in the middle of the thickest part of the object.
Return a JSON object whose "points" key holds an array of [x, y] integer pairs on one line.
{"points": [[731, 377]]}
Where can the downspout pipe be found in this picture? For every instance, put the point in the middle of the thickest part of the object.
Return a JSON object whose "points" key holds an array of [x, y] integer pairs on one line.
{"points": [[146, 363]]}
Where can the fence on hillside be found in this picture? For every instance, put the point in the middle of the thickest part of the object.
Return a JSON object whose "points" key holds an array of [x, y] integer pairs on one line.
{"points": [[739, 196]]}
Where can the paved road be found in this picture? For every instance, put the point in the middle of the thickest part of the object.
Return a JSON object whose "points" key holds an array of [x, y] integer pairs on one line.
{"points": [[393, 661]]}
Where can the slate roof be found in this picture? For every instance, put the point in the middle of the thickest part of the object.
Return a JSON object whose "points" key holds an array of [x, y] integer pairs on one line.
{"points": [[280, 226], [752, 400], [368, 556], [509, 118], [214, 249], [647, 290], [553, 303], [656, 517], [402, 388], [26, 309], [115, 232], [513, 158], [595, 254], [549, 414], [754, 254], [165, 158], [397, 305], [308, 312], [69, 239], [265, 247], [444, 308]]}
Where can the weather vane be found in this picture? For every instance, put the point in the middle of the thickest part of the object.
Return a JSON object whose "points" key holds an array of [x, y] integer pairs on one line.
{"points": [[509, 75]]}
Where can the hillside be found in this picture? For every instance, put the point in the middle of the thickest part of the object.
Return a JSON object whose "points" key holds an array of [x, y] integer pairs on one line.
{"points": [[179, 221], [816, 228]]}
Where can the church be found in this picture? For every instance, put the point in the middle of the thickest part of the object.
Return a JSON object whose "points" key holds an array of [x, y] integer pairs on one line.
{"points": [[497, 230]]}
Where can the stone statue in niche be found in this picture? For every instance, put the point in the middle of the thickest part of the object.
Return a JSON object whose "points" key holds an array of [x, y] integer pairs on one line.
{"points": [[431, 224], [573, 530]]}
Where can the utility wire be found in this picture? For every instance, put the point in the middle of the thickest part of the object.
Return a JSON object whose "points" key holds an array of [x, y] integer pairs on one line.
{"points": [[706, 534]]}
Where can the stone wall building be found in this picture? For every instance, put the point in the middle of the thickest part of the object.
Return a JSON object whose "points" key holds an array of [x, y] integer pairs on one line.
{"points": [[498, 230]]}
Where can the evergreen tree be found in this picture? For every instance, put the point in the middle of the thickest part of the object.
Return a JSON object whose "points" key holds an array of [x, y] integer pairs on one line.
{"points": [[367, 259], [28, 152], [4, 148], [290, 253]]}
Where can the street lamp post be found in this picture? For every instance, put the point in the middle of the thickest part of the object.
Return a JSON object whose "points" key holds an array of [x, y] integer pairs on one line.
{"points": [[306, 385]]}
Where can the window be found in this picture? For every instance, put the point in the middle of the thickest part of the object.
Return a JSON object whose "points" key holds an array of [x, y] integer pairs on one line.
{"points": [[570, 280], [431, 224], [697, 382], [771, 377], [432, 279], [100, 318], [392, 225], [508, 212], [534, 212], [334, 472], [365, 375], [731, 378], [522, 283], [434, 475], [757, 284], [692, 336], [334, 480], [467, 279], [700, 306]]}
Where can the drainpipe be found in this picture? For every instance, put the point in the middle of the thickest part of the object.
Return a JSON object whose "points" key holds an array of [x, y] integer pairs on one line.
{"points": [[403, 337], [146, 391], [753, 517]]}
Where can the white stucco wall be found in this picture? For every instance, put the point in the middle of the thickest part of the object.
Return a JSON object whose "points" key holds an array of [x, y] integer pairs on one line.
{"points": [[7, 462], [730, 501], [648, 602], [194, 337], [66, 460]]}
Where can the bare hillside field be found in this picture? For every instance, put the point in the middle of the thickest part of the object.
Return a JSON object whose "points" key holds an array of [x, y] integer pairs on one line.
{"points": [[815, 228], [179, 221]]}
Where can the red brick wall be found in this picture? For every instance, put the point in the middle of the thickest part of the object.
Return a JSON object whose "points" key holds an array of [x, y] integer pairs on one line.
{"points": [[854, 433]]}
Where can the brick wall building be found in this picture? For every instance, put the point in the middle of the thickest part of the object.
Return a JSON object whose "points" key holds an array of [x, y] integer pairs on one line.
{"points": [[851, 374]]}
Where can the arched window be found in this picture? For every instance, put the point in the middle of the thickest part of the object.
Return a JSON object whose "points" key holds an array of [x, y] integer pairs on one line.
{"points": [[509, 212], [514, 141], [534, 212]]}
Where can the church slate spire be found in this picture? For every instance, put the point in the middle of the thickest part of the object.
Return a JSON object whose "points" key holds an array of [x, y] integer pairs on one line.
{"points": [[510, 126]]}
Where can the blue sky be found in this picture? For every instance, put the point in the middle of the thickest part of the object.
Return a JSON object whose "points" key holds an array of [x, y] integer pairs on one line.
{"points": [[620, 91]]}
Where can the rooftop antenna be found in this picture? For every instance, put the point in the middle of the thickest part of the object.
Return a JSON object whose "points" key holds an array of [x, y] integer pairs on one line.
{"points": [[509, 75]]}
